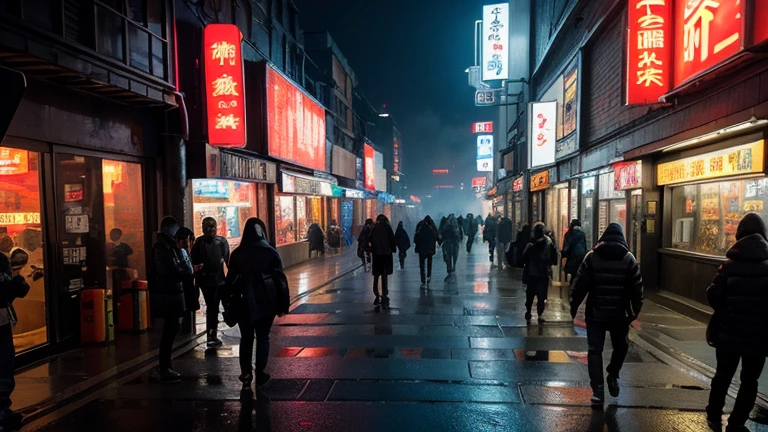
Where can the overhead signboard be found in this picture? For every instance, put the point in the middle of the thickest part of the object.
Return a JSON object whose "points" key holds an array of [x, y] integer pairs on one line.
{"points": [[649, 50], [487, 97], [478, 181], [482, 127], [743, 159], [224, 91], [627, 175], [539, 181], [517, 184], [495, 42], [542, 133], [296, 123], [485, 153], [369, 170]]}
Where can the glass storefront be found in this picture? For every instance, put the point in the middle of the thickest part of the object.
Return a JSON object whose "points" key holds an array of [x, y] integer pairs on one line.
{"points": [[705, 216], [612, 205], [536, 204], [294, 215], [588, 208], [230, 202]]}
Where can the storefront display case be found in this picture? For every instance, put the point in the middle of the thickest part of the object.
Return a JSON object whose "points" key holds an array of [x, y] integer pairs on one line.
{"points": [[230, 202]]}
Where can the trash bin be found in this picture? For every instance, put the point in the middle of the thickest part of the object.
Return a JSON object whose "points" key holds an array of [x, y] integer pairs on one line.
{"points": [[96, 325]]}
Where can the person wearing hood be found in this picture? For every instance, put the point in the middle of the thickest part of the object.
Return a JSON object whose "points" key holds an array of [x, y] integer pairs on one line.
{"points": [[610, 274], [210, 253], [489, 235], [574, 248], [536, 271], [167, 272], [362, 243], [12, 286], [403, 242], [334, 236], [738, 328], [505, 238], [382, 245], [316, 239], [470, 228], [522, 239], [425, 241]]}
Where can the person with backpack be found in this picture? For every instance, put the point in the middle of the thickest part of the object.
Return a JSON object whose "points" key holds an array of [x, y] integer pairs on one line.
{"points": [[363, 252], [489, 235], [738, 329], [257, 281], [12, 286], [334, 237], [403, 244], [210, 253], [425, 240], [537, 259], [382, 245], [609, 277]]}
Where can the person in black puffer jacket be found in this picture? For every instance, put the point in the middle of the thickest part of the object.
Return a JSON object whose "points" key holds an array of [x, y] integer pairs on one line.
{"points": [[382, 245], [739, 325], [537, 271], [611, 276], [574, 248], [425, 242]]}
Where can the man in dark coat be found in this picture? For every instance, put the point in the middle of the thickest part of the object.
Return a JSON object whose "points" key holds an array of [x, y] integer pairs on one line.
{"points": [[362, 243], [489, 235], [450, 236], [12, 286], [403, 242], [470, 228], [167, 272], [739, 325], [209, 255], [505, 238], [316, 239], [611, 276], [574, 248], [536, 271], [521, 241], [425, 240], [334, 236], [382, 245]]}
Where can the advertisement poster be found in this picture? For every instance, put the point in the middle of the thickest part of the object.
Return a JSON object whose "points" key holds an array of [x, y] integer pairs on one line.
{"points": [[485, 153], [542, 118]]}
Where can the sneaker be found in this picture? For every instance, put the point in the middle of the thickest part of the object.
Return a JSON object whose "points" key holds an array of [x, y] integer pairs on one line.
{"points": [[597, 401], [213, 341], [528, 316], [376, 301], [613, 385], [246, 379], [262, 378], [170, 376]]}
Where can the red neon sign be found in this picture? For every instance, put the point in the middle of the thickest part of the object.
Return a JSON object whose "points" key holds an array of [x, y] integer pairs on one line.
{"points": [[224, 91], [370, 173], [296, 123], [760, 32], [478, 182], [439, 171], [707, 32], [482, 127], [649, 50]]}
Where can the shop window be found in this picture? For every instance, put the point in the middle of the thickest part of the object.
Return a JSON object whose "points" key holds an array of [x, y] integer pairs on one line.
{"points": [[705, 216], [588, 208], [20, 227], [285, 225], [612, 206], [124, 220], [231, 203]]}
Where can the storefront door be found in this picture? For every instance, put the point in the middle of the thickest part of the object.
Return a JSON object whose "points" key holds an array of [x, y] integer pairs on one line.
{"points": [[636, 224]]}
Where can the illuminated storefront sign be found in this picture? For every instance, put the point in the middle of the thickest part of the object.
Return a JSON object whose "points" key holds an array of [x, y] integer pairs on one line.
{"points": [[482, 127], [542, 120], [539, 181], [649, 50], [517, 184], [760, 32], [495, 42], [224, 91], [351, 193], [415, 199], [296, 123], [743, 159], [370, 172], [485, 153], [304, 185], [627, 175], [19, 218], [13, 161], [478, 181], [244, 168], [487, 97], [380, 174], [396, 155]]}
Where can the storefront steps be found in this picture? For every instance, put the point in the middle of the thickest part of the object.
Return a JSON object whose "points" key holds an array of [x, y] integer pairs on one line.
{"points": [[68, 378]]}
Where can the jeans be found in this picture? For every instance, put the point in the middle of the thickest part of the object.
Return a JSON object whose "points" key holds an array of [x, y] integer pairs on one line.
{"points": [[751, 367], [260, 329], [425, 259], [596, 341], [384, 286], [171, 326], [502, 252], [212, 302], [491, 248], [7, 356], [538, 288]]}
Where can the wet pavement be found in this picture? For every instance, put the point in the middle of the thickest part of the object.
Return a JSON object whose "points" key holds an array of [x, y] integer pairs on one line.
{"points": [[458, 356]]}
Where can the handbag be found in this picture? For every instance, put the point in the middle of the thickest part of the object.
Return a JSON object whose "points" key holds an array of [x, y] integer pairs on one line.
{"points": [[276, 285]]}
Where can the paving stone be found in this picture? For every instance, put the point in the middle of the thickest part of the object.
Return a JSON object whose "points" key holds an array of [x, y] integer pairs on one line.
{"points": [[389, 391]]}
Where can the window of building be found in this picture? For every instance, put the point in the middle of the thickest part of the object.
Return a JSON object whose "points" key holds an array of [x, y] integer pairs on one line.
{"points": [[231, 203], [588, 207], [124, 219], [612, 205]]}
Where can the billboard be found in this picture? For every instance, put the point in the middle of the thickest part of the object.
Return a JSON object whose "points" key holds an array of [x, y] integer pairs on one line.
{"points": [[380, 176], [295, 123], [542, 133], [649, 50], [485, 153], [482, 127], [478, 181], [495, 42], [224, 92], [369, 170]]}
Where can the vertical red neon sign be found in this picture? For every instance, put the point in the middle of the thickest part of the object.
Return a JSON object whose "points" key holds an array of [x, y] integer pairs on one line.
{"points": [[223, 83], [649, 50], [370, 174]]}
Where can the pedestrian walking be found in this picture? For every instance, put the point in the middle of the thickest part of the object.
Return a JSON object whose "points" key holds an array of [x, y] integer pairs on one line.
{"points": [[12, 286], [425, 241], [184, 240], [610, 275], [537, 271], [254, 268], [450, 242], [489, 235], [505, 238], [210, 253], [738, 328], [574, 248], [521, 241], [382, 245], [470, 227], [334, 237], [403, 242], [362, 244], [167, 273], [316, 239]]}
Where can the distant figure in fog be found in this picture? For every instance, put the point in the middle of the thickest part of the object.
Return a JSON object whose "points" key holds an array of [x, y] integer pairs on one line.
{"points": [[362, 244], [425, 240], [521, 241], [11, 287], [505, 238], [738, 328], [489, 235], [403, 244], [316, 239], [574, 248], [536, 271], [470, 228], [251, 261], [382, 245], [450, 238], [610, 278], [334, 237], [462, 231]]}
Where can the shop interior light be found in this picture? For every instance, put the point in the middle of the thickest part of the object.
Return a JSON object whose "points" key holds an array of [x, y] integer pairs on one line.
{"points": [[719, 134]]}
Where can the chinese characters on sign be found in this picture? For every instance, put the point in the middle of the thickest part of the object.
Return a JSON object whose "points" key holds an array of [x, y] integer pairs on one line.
{"points": [[482, 127], [487, 97], [517, 184], [743, 159], [478, 181], [542, 122], [539, 181], [495, 42], [627, 175], [649, 50], [396, 163], [224, 85]]}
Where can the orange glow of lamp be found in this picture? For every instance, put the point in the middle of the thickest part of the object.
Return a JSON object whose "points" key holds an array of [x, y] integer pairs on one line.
{"points": [[224, 89], [649, 50]]}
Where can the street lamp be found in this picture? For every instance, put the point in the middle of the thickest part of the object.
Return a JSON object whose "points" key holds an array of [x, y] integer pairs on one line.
{"points": [[383, 115]]}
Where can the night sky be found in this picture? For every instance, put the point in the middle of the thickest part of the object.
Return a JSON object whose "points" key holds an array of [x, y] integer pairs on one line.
{"points": [[411, 55]]}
